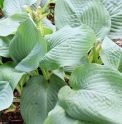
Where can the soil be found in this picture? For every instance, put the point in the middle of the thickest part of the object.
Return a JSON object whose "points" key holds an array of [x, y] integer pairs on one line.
{"points": [[51, 14], [1, 14], [119, 42]]}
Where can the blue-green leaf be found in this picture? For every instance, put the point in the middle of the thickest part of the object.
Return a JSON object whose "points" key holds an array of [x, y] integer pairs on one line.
{"points": [[10, 74], [78, 12], [67, 46], [27, 47], [39, 97], [6, 95], [95, 95], [9, 25]]}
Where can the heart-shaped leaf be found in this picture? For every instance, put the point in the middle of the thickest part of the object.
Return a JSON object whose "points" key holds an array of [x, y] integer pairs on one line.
{"points": [[39, 97], [27, 47], [115, 10], [78, 12], [111, 54], [11, 7], [10, 74], [6, 95], [9, 25], [95, 95], [67, 46], [59, 116]]}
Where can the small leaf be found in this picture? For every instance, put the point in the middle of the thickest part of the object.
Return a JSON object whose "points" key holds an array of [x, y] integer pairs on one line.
{"points": [[39, 97], [10, 74], [111, 54], [6, 95], [95, 95], [27, 47], [67, 46], [9, 25]]}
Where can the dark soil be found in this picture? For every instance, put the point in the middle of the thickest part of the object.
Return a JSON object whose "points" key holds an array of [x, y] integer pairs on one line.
{"points": [[1, 14], [119, 42], [51, 14]]}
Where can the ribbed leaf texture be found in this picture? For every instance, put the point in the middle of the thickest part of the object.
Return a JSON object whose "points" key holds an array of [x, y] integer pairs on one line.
{"points": [[111, 54], [11, 7], [10, 24], [59, 116], [95, 95], [67, 46], [114, 8], [4, 45], [27, 47], [38, 98], [6, 95], [10, 74], [78, 12]]}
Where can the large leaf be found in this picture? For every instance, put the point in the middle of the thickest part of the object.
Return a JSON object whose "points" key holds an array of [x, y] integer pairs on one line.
{"points": [[10, 74], [114, 8], [59, 116], [6, 95], [27, 47], [111, 54], [96, 94], [67, 46], [9, 25], [39, 97], [11, 7], [4, 45], [78, 12], [70, 69]]}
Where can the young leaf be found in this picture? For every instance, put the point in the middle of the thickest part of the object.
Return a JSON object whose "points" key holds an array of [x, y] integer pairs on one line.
{"points": [[27, 47], [10, 74], [11, 7], [6, 95], [111, 54], [59, 116], [4, 45], [9, 25], [67, 46], [78, 12], [115, 10], [39, 97], [95, 95]]}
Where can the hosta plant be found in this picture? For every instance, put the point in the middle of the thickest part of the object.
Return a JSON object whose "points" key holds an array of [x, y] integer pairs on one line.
{"points": [[79, 49]]}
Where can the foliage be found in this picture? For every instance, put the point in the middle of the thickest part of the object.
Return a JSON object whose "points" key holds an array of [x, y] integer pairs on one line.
{"points": [[1, 4], [78, 48]]}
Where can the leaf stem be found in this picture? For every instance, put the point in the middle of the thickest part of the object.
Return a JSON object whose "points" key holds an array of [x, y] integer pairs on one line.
{"points": [[45, 74]]}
